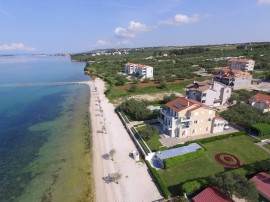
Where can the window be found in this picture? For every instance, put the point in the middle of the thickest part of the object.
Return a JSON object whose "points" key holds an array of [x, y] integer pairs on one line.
{"points": [[209, 119], [194, 131], [195, 122], [207, 128], [204, 94], [203, 101], [196, 113]]}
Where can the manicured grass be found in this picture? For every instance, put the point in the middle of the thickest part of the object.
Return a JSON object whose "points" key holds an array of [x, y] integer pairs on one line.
{"points": [[146, 150], [153, 143], [241, 146], [267, 146]]}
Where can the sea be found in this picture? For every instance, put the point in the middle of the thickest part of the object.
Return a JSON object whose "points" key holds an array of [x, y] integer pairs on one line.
{"points": [[44, 130]]}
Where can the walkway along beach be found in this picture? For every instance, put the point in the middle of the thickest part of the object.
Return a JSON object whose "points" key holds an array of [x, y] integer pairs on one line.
{"points": [[109, 133]]}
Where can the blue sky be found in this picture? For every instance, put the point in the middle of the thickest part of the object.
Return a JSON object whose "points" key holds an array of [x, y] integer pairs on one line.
{"points": [[54, 26]]}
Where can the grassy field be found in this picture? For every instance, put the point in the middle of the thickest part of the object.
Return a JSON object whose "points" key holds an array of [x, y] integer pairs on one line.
{"points": [[170, 86], [242, 146]]}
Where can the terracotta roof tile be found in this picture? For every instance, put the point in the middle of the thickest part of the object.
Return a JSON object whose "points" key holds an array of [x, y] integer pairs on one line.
{"points": [[259, 97], [182, 103], [262, 181], [211, 194]]}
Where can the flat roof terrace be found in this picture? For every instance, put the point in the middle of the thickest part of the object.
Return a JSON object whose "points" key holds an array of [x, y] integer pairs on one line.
{"points": [[179, 151]]}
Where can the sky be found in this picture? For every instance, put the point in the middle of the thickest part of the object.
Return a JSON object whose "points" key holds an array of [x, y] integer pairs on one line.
{"points": [[70, 26]]}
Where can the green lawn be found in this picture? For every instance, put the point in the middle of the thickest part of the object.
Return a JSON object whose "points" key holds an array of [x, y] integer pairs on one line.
{"points": [[241, 146], [153, 143], [267, 146]]}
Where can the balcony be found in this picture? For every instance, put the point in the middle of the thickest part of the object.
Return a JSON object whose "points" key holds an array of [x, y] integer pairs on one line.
{"points": [[185, 119], [185, 127], [168, 114], [169, 127]]}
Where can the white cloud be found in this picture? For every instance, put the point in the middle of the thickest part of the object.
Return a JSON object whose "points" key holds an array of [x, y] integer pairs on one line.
{"points": [[264, 2], [180, 19], [15, 46], [102, 43], [133, 29]]}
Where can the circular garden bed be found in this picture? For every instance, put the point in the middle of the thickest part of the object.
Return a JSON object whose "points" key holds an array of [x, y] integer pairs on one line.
{"points": [[228, 160]]}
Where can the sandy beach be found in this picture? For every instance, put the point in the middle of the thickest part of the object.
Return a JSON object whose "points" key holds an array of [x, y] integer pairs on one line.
{"points": [[109, 133]]}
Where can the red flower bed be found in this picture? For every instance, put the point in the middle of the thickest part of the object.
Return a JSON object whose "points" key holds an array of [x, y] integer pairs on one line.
{"points": [[228, 160]]}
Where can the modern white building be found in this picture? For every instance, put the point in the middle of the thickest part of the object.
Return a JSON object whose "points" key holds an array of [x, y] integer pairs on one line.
{"points": [[145, 70], [241, 64], [210, 93]]}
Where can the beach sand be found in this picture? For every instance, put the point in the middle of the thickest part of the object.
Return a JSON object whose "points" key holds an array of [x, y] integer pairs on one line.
{"points": [[135, 183]]}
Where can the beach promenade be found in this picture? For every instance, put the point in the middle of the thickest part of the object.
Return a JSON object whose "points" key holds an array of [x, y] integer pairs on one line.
{"points": [[109, 133]]}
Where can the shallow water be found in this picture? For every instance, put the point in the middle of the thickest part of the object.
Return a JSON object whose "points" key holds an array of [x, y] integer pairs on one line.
{"points": [[44, 131]]}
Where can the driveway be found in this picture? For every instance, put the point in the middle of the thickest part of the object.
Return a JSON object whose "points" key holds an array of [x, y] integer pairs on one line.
{"points": [[171, 141]]}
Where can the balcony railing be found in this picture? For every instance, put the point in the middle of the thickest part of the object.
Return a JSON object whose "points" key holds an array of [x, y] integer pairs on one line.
{"points": [[185, 119], [168, 114], [169, 127]]}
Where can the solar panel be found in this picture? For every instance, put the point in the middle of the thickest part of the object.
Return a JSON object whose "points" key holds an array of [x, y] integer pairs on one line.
{"points": [[179, 151], [177, 105]]}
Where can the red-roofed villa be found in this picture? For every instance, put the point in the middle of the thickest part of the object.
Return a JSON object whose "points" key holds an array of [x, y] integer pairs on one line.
{"points": [[184, 117], [261, 102]]}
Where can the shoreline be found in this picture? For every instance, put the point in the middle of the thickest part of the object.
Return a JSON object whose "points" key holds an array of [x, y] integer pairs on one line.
{"points": [[114, 136]]}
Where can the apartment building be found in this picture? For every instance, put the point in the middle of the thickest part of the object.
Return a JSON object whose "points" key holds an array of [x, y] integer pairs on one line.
{"points": [[261, 102], [184, 117], [210, 93], [145, 70], [236, 79], [241, 64]]}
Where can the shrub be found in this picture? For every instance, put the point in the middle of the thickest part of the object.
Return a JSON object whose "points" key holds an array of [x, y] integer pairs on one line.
{"points": [[148, 131], [159, 181], [135, 109], [192, 186], [170, 162], [262, 128]]}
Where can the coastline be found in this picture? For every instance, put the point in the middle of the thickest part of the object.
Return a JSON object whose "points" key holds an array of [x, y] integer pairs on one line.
{"points": [[135, 184]]}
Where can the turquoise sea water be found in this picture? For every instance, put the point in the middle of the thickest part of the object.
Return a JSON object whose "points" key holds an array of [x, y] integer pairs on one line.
{"points": [[43, 129]]}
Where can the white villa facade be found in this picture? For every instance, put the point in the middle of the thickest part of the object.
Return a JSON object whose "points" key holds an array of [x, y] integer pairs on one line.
{"points": [[184, 117], [145, 70]]}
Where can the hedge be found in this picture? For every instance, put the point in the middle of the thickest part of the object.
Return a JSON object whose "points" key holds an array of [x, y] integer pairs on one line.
{"points": [[220, 137], [209, 139], [194, 185], [170, 162], [159, 181], [262, 128]]}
